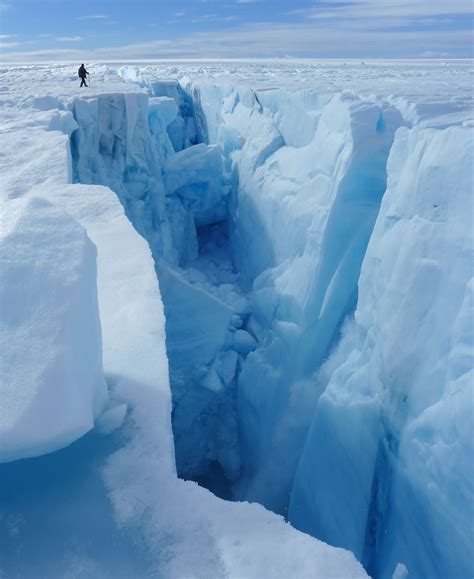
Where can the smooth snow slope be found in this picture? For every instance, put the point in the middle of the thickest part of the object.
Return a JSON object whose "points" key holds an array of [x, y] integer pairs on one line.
{"points": [[111, 504]]}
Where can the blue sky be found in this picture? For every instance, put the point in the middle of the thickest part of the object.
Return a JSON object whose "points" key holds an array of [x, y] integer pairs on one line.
{"points": [[51, 30]]}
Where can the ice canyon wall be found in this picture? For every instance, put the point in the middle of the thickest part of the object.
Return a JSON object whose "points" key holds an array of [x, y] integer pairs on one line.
{"points": [[314, 254]]}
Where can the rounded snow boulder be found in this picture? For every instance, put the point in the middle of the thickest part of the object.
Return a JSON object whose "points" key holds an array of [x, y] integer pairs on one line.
{"points": [[51, 380]]}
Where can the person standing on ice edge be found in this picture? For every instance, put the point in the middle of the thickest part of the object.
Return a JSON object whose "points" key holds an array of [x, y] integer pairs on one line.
{"points": [[82, 72]]}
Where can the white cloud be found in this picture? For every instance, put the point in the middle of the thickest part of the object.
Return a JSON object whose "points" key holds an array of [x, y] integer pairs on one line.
{"points": [[267, 40], [214, 18], [69, 38], [348, 17], [350, 38], [6, 36], [404, 8], [388, 12], [93, 17]]}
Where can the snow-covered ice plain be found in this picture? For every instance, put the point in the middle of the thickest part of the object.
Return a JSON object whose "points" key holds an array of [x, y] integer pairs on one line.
{"points": [[255, 276]]}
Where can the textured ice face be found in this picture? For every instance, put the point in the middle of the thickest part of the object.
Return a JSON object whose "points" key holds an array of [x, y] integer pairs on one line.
{"points": [[393, 421]]}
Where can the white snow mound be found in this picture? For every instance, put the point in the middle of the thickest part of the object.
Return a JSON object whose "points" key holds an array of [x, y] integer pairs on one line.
{"points": [[52, 383]]}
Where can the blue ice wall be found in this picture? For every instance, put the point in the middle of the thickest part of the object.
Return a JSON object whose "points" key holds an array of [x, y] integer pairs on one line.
{"points": [[386, 468], [300, 223]]}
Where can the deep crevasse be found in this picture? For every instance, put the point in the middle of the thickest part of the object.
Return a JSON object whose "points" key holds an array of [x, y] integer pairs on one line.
{"points": [[177, 201], [308, 173], [301, 222], [111, 504]]}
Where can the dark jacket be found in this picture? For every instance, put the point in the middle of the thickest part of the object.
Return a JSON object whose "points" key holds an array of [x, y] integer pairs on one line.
{"points": [[82, 72]]}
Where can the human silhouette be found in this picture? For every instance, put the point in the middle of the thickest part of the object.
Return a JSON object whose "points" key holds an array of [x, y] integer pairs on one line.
{"points": [[82, 72]]}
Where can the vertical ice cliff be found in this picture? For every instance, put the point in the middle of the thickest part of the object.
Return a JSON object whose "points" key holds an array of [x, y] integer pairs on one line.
{"points": [[113, 147], [392, 434]]}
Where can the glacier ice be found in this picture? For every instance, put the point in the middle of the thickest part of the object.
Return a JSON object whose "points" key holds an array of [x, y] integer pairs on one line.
{"points": [[110, 505], [313, 254], [196, 176], [395, 419], [299, 226], [286, 191], [52, 385], [178, 201]]}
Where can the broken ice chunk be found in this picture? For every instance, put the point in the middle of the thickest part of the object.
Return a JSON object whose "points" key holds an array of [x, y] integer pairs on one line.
{"points": [[244, 343]]}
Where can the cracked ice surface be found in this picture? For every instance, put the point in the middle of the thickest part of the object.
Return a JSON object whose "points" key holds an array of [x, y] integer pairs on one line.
{"points": [[258, 207]]}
